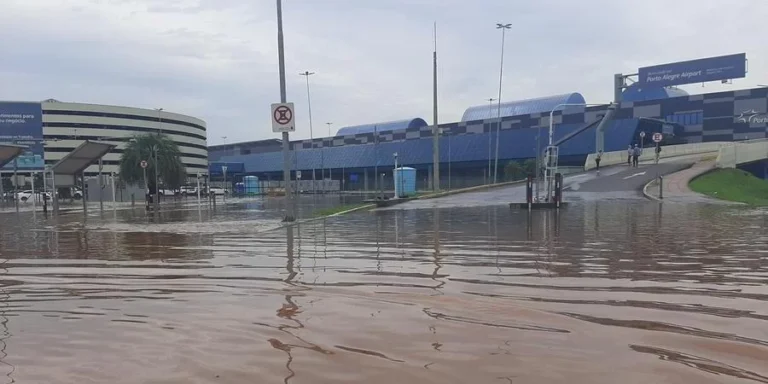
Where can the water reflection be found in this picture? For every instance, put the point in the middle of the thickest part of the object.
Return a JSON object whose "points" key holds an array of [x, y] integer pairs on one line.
{"points": [[599, 292]]}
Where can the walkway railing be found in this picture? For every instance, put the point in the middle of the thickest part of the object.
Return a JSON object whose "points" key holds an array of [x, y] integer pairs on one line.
{"points": [[667, 151]]}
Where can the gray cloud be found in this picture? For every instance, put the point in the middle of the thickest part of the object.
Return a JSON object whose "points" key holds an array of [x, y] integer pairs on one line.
{"points": [[216, 59]]}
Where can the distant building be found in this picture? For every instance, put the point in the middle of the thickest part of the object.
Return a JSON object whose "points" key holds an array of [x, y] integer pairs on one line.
{"points": [[66, 125]]}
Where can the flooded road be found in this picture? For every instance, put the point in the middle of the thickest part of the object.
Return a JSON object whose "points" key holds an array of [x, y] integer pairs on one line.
{"points": [[605, 292]]}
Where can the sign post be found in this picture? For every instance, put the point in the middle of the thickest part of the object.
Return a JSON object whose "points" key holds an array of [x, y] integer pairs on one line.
{"points": [[657, 137], [283, 122], [642, 139]]}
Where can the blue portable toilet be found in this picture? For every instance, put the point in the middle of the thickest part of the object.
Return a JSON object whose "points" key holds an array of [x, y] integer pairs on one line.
{"points": [[251, 185], [405, 182]]}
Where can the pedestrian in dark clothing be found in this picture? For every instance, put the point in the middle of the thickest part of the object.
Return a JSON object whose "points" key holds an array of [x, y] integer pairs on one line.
{"points": [[636, 152], [597, 160]]}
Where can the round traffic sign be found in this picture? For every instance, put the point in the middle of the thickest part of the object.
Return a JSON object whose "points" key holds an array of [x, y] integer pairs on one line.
{"points": [[657, 137], [642, 134], [144, 164], [283, 115]]}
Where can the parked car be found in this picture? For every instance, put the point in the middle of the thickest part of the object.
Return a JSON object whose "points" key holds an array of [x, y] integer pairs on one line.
{"points": [[188, 191], [26, 195], [166, 192], [77, 193]]}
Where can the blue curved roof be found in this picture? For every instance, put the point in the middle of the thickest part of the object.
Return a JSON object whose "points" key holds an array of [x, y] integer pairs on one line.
{"points": [[635, 93], [380, 127], [521, 107]]}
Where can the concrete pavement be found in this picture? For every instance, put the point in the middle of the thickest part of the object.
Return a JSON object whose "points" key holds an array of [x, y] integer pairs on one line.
{"points": [[630, 178], [676, 185]]}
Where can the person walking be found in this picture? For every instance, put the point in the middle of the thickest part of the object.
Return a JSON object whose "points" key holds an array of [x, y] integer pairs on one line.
{"points": [[630, 152], [658, 152], [637, 151], [597, 160]]}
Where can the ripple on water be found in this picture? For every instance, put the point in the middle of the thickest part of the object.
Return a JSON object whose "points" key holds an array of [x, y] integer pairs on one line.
{"points": [[603, 292]]}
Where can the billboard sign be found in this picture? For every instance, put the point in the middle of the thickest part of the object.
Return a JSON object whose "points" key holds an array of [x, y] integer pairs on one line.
{"points": [[22, 124], [694, 71]]}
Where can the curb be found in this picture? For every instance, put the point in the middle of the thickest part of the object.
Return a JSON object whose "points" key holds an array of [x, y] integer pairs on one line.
{"points": [[469, 189], [648, 195], [364, 207]]}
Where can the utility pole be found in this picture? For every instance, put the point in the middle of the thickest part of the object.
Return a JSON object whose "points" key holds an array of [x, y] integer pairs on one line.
{"points": [[289, 214], [435, 128], [490, 137], [330, 144], [503, 28], [307, 74]]}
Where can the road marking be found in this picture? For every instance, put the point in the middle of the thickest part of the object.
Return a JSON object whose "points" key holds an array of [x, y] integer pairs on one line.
{"points": [[636, 174]]}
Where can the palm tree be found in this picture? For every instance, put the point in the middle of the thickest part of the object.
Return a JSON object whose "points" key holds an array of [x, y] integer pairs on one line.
{"points": [[171, 171]]}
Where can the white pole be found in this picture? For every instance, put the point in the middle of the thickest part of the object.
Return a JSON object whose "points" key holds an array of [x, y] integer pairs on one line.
{"points": [[552, 125], [393, 174], [490, 138], [198, 192], [114, 193], [34, 195]]}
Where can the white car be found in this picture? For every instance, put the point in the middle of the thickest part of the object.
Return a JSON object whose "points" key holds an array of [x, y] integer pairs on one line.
{"points": [[188, 191], [26, 195], [218, 191]]}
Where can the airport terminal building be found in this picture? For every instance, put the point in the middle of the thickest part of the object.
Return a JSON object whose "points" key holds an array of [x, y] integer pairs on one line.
{"points": [[464, 145], [52, 129], [650, 104]]}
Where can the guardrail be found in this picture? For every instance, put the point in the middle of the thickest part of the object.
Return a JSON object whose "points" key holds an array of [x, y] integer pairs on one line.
{"points": [[667, 151], [733, 154]]}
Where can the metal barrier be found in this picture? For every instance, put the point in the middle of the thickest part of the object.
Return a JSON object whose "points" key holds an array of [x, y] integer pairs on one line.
{"points": [[742, 152]]}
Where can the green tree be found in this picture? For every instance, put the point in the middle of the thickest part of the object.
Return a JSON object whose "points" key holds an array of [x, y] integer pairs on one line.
{"points": [[7, 184], [513, 171], [171, 171], [529, 166]]}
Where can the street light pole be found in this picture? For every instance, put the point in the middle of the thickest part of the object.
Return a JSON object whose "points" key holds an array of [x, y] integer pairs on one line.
{"points": [[307, 74], [435, 128], [490, 136], [503, 28], [157, 186], [289, 215]]}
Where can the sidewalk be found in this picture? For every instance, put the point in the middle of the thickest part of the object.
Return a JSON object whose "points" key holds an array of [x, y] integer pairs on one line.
{"points": [[676, 185]]}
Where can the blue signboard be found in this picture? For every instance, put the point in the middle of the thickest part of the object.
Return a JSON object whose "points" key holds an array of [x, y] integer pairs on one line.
{"points": [[22, 124], [694, 71]]}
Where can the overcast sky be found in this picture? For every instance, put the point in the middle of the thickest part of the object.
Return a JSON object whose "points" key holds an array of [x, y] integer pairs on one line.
{"points": [[217, 59]]}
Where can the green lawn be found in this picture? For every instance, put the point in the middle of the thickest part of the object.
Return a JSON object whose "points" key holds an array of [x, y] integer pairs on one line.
{"points": [[732, 185]]}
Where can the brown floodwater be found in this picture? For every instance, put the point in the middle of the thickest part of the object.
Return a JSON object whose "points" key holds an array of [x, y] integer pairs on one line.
{"points": [[604, 292]]}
